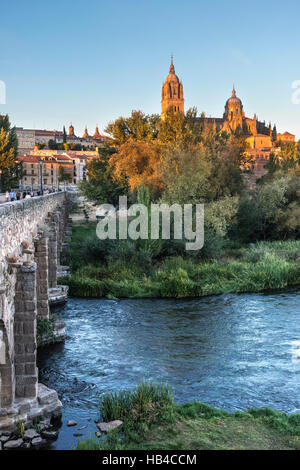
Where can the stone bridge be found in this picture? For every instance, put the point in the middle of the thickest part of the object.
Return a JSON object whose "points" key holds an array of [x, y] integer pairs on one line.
{"points": [[32, 233]]}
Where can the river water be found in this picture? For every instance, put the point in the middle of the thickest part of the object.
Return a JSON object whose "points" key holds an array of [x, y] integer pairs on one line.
{"points": [[232, 351]]}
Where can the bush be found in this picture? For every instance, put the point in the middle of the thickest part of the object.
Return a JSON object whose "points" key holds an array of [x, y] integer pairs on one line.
{"points": [[148, 403], [175, 283]]}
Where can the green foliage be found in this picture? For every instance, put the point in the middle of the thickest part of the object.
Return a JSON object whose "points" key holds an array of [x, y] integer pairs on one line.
{"points": [[63, 174], [175, 283], [205, 173], [45, 330], [148, 402], [271, 211], [138, 126], [10, 167], [20, 431], [101, 187], [286, 424], [119, 269], [195, 409], [152, 420]]}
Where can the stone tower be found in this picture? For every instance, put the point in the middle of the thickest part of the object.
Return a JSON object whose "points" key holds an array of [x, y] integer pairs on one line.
{"points": [[172, 93], [71, 130], [97, 134]]}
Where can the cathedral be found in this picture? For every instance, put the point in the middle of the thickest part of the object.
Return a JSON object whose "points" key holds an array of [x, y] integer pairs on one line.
{"points": [[262, 140], [233, 119]]}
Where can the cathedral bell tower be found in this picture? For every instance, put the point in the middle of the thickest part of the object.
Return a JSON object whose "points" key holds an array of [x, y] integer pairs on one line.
{"points": [[172, 93]]}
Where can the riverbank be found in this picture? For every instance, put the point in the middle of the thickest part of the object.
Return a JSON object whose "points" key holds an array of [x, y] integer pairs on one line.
{"points": [[152, 420], [119, 269]]}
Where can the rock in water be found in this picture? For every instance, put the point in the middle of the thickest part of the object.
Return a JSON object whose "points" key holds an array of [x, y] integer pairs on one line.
{"points": [[72, 423], [105, 427], [82, 427], [50, 434]]}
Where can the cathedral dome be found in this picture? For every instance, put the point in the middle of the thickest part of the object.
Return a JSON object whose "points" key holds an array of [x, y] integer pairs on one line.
{"points": [[234, 110], [233, 100], [172, 77]]}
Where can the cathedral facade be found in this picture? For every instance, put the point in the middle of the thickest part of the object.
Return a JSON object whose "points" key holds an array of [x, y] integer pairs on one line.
{"points": [[233, 119], [262, 139]]}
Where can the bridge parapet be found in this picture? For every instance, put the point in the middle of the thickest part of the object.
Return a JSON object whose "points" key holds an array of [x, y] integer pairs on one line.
{"points": [[20, 220]]}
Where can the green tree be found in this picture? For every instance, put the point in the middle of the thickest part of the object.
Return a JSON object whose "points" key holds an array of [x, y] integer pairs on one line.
{"points": [[52, 144], [64, 176], [178, 129], [272, 210], [11, 169], [138, 126], [101, 186], [207, 172], [64, 135]]}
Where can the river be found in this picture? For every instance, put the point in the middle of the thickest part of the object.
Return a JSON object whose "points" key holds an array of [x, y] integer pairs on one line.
{"points": [[231, 351]]}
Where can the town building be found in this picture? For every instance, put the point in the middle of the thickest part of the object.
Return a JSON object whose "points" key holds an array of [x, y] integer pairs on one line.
{"points": [[29, 138], [26, 139], [54, 169], [286, 138]]}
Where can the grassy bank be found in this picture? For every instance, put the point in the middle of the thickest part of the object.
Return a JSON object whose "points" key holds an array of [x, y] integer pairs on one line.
{"points": [[152, 420], [124, 269]]}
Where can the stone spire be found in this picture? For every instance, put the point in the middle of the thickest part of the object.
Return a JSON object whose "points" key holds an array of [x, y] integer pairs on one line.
{"points": [[172, 68], [97, 134], [71, 130], [86, 134]]}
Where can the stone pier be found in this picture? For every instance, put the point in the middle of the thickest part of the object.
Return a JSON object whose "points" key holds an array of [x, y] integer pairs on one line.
{"points": [[32, 234]]}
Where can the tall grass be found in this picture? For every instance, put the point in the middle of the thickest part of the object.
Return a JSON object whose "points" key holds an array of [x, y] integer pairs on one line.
{"points": [[148, 402], [124, 269], [179, 277], [150, 406]]}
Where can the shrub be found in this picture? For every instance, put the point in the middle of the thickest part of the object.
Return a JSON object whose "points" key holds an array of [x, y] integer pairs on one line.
{"points": [[147, 403], [175, 283]]}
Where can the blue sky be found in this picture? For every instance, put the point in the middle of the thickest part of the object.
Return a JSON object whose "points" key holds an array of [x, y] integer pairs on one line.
{"points": [[91, 61]]}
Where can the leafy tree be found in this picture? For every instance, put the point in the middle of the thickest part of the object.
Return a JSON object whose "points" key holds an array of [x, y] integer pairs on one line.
{"points": [[207, 172], [138, 126], [271, 211], [102, 187], [64, 135], [52, 144], [40, 146], [178, 129], [11, 169], [185, 177], [138, 162], [63, 174]]}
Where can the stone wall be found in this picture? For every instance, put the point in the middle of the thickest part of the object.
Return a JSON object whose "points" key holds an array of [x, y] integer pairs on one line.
{"points": [[31, 236]]}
